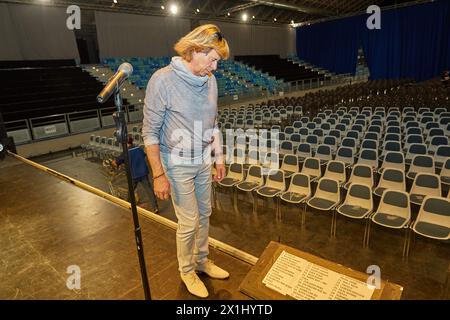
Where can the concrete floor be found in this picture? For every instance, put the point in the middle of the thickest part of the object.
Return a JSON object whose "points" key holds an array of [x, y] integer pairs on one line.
{"points": [[422, 275]]}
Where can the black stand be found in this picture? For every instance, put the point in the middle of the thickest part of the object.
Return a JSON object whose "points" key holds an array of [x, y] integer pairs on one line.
{"points": [[122, 136]]}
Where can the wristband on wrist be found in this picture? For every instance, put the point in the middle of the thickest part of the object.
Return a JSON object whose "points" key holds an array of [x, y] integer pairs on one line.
{"points": [[154, 178]]}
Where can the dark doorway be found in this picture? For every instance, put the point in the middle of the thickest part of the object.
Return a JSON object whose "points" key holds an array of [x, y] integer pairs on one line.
{"points": [[83, 51]]}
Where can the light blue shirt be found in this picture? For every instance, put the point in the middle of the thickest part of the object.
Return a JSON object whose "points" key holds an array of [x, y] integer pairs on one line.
{"points": [[180, 109]]}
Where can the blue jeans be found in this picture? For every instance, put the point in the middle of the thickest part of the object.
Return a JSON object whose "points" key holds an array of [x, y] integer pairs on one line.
{"points": [[190, 183]]}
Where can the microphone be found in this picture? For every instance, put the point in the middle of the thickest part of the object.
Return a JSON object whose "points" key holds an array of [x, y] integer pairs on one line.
{"points": [[115, 82]]}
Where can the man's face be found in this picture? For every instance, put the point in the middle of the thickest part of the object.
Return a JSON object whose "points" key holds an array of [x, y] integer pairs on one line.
{"points": [[205, 63]]}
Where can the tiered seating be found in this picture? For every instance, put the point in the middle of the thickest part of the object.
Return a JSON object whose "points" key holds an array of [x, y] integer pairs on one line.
{"points": [[227, 86], [393, 154], [246, 73], [44, 91], [144, 67], [279, 68]]}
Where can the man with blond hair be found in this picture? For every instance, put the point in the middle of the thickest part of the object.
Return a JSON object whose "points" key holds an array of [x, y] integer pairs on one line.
{"points": [[180, 132]]}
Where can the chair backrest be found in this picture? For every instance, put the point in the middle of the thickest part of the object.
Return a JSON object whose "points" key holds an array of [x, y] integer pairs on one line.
{"points": [[353, 134], [304, 150], [369, 157], [286, 147], [371, 136], [254, 175], [413, 138], [392, 137], [303, 131], [272, 160], [345, 155], [323, 152], [445, 171], [236, 171], [300, 183], [374, 129], [414, 130], [395, 160], [442, 154], [433, 220], [422, 163], [426, 184], [295, 138], [290, 163], [331, 141], [438, 141], [311, 167], [328, 189], [369, 144], [395, 203], [393, 179], [416, 149], [289, 130], [335, 170], [349, 142], [275, 180], [359, 195], [362, 174]]}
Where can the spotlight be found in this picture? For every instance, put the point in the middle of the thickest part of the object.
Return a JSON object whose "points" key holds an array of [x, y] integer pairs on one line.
{"points": [[162, 7], [292, 22], [115, 1], [198, 10], [228, 14], [275, 19], [173, 9], [244, 17], [253, 17]]}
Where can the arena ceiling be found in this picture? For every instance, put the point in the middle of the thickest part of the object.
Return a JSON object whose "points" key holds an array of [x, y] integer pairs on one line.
{"points": [[258, 11]]}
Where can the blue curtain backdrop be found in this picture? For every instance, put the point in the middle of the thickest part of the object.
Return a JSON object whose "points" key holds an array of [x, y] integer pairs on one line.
{"points": [[414, 42]]}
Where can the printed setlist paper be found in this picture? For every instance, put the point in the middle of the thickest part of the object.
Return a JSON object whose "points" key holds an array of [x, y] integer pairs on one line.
{"points": [[303, 280]]}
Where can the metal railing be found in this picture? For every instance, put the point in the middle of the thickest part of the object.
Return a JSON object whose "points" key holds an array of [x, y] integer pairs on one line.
{"points": [[288, 87], [66, 124]]}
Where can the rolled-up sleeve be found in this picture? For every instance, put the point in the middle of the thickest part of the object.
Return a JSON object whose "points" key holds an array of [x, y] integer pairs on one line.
{"points": [[155, 105]]}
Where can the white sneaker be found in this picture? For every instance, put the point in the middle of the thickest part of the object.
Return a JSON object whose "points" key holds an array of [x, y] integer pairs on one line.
{"points": [[212, 270], [194, 284]]}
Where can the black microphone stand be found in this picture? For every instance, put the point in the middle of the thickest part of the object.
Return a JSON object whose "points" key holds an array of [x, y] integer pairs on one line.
{"points": [[122, 136]]}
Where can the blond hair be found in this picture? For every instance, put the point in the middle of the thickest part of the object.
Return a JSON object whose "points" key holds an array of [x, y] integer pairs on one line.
{"points": [[202, 39]]}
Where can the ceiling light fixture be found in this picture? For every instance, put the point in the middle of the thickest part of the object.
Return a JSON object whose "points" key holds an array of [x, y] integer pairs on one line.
{"points": [[173, 9]]}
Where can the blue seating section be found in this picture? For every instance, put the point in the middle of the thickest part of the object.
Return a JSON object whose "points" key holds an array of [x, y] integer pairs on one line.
{"points": [[250, 75], [233, 78]]}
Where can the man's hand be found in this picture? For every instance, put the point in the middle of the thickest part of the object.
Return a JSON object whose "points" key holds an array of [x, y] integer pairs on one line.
{"points": [[220, 172], [161, 186]]}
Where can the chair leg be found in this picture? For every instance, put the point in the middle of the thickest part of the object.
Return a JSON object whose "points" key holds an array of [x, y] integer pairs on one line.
{"points": [[255, 203], [365, 232], [405, 252], [304, 215], [279, 208], [335, 223], [368, 234]]}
